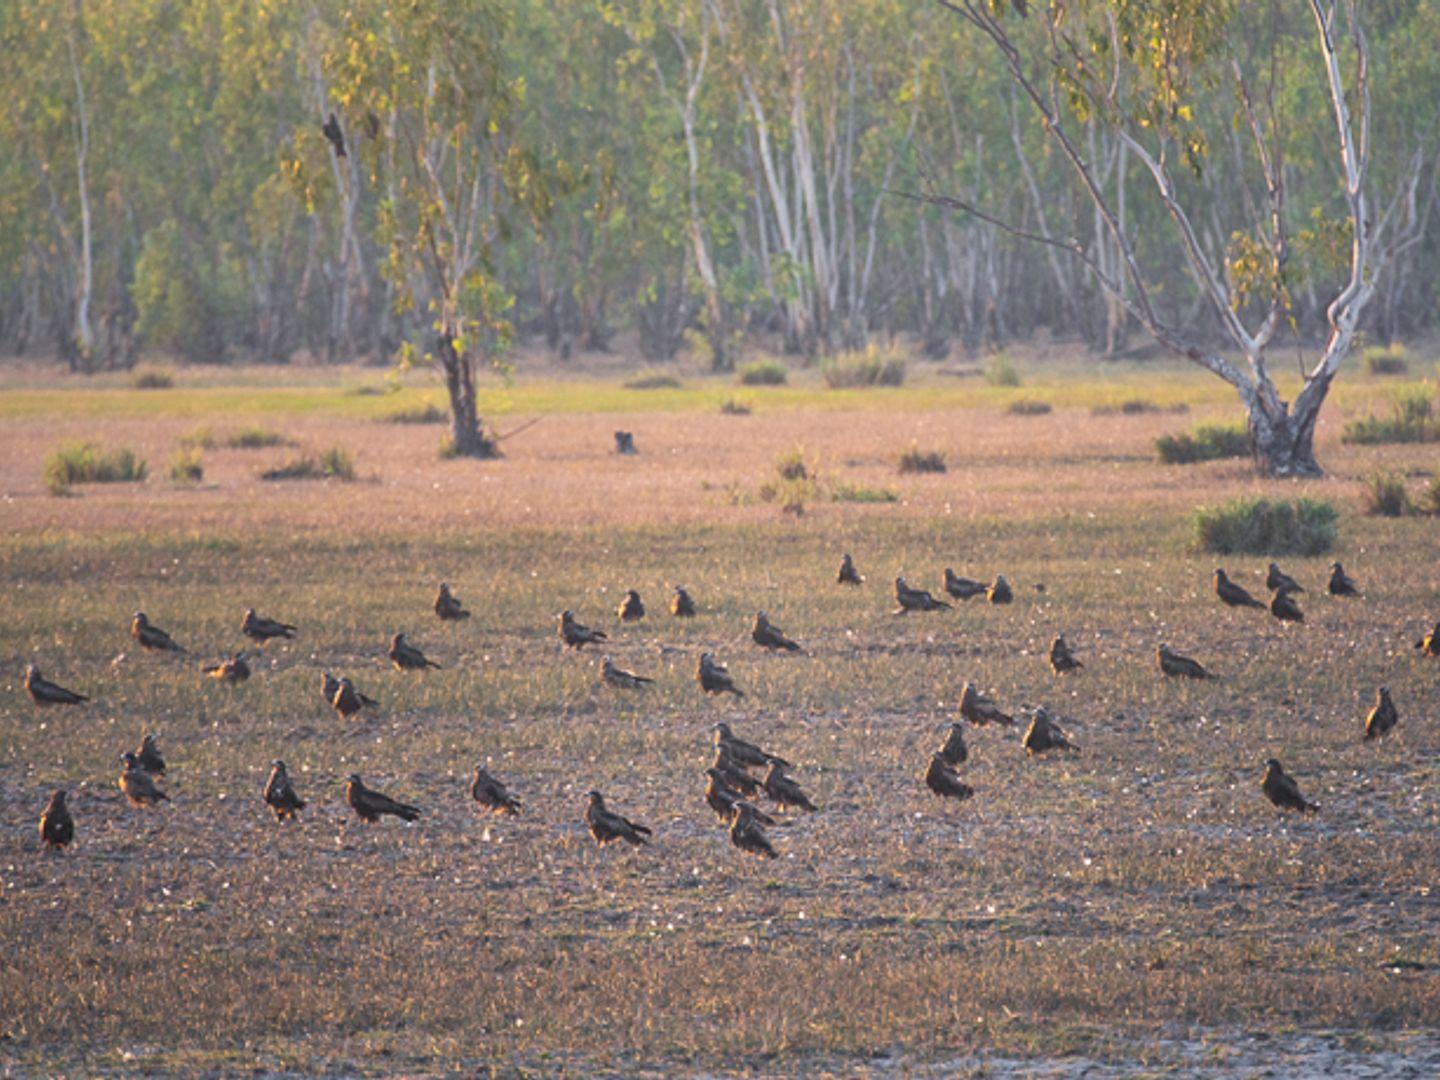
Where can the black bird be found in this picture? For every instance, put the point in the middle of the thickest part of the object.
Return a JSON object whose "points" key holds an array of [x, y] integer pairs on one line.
{"points": [[979, 709], [1429, 645], [1000, 592], [137, 785], [734, 774], [1279, 581], [944, 781], [770, 636], [785, 791], [1233, 595], [1383, 717], [407, 657], [631, 608], [328, 685], [848, 575], [915, 599], [261, 630], [953, 749], [1044, 735], [1172, 663], [746, 832], [370, 804], [234, 670], [331, 130], [607, 826], [280, 793], [57, 827], [44, 692], [721, 796], [151, 637], [618, 676], [347, 701], [492, 794], [1062, 659], [681, 605], [1284, 608], [447, 606], [963, 588], [149, 758], [1282, 790], [745, 753], [577, 635], [1341, 584], [715, 677]]}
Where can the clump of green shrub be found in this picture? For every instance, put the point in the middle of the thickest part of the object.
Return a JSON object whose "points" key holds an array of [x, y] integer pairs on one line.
{"points": [[331, 464], [1386, 360], [765, 372], [1259, 526], [916, 460], [1412, 420], [843, 492], [85, 463], [429, 413], [794, 484], [1386, 495], [870, 367], [255, 439], [1028, 407], [202, 438], [186, 466], [999, 370], [652, 379], [152, 377], [1207, 442], [735, 407]]}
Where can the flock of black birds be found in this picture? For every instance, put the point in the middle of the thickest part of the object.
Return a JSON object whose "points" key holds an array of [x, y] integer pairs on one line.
{"points": [[741, 771]]}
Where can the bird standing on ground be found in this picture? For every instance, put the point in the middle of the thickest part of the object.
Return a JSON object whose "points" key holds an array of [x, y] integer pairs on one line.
{"points": [[1062, 659], [745, 753], [944, 781], [1279, 581], [770, 636], [607, 827], [1000, 592], [848, 575], [1383, 717], [681, 606], [785, 791], [577, 635], [151, 637], [407, 657], [234, 670], [137, 785], [979, 709], [1284, 608], [280, 794], [915, 599], [715, 677], [1044, 735], [447, 606], [953, 749], [631, 608], [44, 692], [492, 794], [261, 630], [618, 676], [370, 805], [328, 685], [734, 775], [57, 827], [1341, 584], [1233, 595], [721, 796], [1173, 664], [148, 757], [1282, 790], [1429, 645], [747, 834], [347, 701], [963, 588]]}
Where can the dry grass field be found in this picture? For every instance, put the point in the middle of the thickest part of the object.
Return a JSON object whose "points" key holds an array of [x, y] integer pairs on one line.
{"points": [[1135, 907]]}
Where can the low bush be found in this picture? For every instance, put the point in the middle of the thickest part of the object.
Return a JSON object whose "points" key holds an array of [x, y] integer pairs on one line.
{"points": [[186, 466], [85, 463], [794, 484], [1386, 360], [763, 373], [1412, 420], [915, 460], [202, 438], [255, 439], [1386, 495], [1259, 526], [735, 407], [429, 413], [652, 379], [151, 377], [871, 367], [1208, 442], [1000, 371], [331, 464], [842, 492], [1028, 407]]}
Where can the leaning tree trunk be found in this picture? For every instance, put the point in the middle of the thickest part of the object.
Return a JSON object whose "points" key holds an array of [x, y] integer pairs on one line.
{"points": [[466, 437]]}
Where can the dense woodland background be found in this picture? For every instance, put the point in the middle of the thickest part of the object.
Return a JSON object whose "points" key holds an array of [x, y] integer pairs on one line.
{"points": [[667, 173]]}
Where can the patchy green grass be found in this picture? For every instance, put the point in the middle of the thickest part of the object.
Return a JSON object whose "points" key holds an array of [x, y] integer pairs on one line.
{"points": [[152, 377], [1412, 419], [763, 372], [86, 463], [869, 367], [844, 492], [1386, 495], [255, 438], [187, 466], [1207, 442], [1260, 526], [1389, 359], [332, 464], [915, 460], [999, 370]]}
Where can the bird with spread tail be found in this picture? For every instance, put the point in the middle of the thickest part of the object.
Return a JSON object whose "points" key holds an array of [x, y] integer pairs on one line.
{"points": [[407, 657], [606, 826], [784, 790], [944, 781], [1232, 594], [57, 827], [714, 677], [151, 637], [979, 709], [137, 785], [963, 588], [681, 605], [770, 636], [280, 794], [346, 700], [370, 805], [915, 599], [577, 635], [261, 630], [1062, 657], [1341, 583], [234, 670], [618, 676], [44, 692], [1383, 717], [1178, 666], [631, 608], [1044, 735], [848, 575], [1280, 788], [747, 834], [492, 794], [447, 606]]}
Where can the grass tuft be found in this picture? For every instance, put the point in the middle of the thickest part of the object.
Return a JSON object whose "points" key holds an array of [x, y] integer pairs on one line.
{"points": [[186, 466], [332, 464], [766, 372], [202, 438], [1386, 360], [85, 463], [1028, 407], [735, 407], [255, 439], [652, 379], [794, 484], [871, 367], [842, 492], [429, 413], [916, 460], [1259, 526], [152, 377], [1412, 420], [1386, 495], [1208, 442], [1000, 370]]}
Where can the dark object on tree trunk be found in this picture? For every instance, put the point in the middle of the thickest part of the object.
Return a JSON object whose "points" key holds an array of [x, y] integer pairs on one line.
{"points": [[625, 443], [332, 131]]}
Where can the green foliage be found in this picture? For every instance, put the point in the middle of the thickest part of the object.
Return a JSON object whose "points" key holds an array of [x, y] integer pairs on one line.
{"points": [[1260, 526], [255, 438], [1386, 360], [999, 370], [429, 413], [1386, 495], [186, 466], [184, 295], [915, 460], [152, 377], [735, 407], [766, 372], [1412, 420], [652, 379], [201, 438], [870, 367], [842, 492], [332, 464], [1028, 407], [1207, 442], [794, 483], [85, 463]]}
